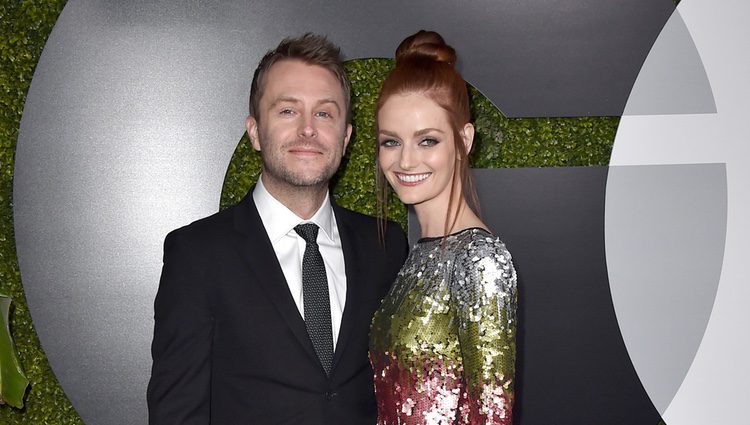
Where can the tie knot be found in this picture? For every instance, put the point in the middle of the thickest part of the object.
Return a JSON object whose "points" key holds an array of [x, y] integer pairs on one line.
{"points": [[308, 232]]}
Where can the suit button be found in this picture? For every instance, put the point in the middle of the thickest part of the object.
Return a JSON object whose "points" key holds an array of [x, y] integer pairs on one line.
{"points": [[329, 395]]}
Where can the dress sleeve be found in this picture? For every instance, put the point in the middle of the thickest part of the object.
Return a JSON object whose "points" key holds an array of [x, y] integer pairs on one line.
{"points": [[484, 295]]}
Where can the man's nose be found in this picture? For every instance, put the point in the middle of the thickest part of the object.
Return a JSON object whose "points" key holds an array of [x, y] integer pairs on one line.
{"points": [[307, 127]]}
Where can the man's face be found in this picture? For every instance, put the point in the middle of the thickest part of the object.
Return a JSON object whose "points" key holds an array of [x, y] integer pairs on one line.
{"points": [[302, 131]]}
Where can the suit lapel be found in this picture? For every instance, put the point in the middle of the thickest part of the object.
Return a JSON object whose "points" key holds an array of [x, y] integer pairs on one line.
{"points": [[353, 281], [256, 250]]}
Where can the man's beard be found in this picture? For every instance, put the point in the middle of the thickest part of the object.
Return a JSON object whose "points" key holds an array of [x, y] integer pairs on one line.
{"points": [[279, 171], [294, 178]]}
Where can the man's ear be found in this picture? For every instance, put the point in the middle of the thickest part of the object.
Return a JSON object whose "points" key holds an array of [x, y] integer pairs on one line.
{"points": [[467, 134], [251, 124], [347, 136]]}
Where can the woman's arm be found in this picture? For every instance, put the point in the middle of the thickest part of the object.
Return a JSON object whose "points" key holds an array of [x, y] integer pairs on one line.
{"points": [[484, 295]]}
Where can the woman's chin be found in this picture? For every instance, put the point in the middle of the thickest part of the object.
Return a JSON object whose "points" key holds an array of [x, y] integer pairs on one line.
{"points": [[409, 200]]}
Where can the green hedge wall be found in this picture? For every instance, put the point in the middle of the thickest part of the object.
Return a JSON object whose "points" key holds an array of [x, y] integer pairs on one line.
{"points": [[501, 142], [25, 26]]}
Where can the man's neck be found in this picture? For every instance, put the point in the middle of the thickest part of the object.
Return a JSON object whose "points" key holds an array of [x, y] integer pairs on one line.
{"points": [[304, 201]]}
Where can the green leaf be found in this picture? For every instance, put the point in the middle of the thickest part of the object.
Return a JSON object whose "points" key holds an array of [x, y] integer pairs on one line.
{"points": [[13, 382]]}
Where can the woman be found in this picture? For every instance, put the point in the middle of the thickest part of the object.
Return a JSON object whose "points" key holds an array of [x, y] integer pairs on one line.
{"points": [[442, 344]]}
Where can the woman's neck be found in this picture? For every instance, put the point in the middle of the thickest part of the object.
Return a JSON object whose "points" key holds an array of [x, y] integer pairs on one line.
{"points": [[432, 223]]}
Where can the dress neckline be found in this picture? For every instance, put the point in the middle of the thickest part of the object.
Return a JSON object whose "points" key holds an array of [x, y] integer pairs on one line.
{"points": [[437, 238]]}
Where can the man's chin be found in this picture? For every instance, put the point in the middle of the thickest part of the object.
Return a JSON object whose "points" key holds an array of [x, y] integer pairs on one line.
{"points": [[306, 180]]}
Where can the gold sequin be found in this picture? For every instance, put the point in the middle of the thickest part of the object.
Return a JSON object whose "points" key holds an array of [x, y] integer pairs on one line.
{"points": [[442, 343]]}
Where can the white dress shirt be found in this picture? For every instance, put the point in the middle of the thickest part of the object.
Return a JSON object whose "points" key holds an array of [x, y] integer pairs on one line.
{"points": [[279, 222]]}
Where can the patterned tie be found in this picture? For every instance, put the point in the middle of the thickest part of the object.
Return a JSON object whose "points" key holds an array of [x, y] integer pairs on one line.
{"points": [[315, 296]]}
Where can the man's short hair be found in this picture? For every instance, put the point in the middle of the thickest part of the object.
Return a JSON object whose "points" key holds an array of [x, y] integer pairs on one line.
{"points": [[311, 49]]}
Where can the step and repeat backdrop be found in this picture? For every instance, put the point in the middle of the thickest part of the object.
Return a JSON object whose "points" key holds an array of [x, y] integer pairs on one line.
{"points": [[632, 273]]}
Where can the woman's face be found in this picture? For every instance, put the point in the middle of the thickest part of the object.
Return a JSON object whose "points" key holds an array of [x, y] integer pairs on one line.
{"points": [[416, 150]]}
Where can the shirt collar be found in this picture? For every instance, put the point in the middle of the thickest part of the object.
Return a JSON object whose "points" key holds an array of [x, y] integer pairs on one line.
{"points": [[280, 220]]}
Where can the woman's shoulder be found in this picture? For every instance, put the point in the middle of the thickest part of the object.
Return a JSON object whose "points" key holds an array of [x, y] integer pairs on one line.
{"points": [[479, 251], [479, 242], [482, 266], [466, 247]]}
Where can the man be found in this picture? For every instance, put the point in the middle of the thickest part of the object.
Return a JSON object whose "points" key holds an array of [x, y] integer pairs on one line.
{"points": [[263, 310]]}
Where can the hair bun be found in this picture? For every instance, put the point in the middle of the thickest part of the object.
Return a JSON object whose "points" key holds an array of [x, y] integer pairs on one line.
{"points": [[426, 44]]}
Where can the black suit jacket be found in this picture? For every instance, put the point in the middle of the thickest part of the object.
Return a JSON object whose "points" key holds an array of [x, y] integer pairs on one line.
{"points": [[230, 346]]}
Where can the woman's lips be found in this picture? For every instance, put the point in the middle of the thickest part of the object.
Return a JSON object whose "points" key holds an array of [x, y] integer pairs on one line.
{"points": [[412, 179]]}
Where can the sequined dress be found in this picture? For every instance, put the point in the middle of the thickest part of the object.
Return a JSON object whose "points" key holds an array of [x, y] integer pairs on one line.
{"points": [[442, 344]]}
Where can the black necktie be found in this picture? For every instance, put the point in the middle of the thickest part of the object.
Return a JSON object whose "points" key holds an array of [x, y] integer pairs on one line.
{"points": [[315, 296]]}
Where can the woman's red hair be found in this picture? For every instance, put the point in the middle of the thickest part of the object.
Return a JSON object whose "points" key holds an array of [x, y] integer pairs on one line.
{"points": [[425, 64]]}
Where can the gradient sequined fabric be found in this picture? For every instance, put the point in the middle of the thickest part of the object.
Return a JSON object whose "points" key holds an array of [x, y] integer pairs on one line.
{"points": [[442, 344]]}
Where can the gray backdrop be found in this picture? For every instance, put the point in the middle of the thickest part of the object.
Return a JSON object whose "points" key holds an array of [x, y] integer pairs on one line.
{"points": [[135, 110]]}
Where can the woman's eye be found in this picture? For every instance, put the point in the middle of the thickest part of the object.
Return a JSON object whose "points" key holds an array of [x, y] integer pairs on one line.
{"points": [[428, 142], [388, 143]]}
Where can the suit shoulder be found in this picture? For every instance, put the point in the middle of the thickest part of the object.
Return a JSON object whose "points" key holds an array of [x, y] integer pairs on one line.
{"points": [[392, 243], [204, 230], [354, 216], [363, 221], [358, 217]]}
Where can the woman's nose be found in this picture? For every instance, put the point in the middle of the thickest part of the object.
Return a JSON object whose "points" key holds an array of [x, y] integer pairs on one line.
{"points": [[408, 158]]}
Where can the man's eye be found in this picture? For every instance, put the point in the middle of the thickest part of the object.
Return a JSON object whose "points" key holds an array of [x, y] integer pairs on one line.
{"points": [[323, 114], [428, 142], [286, 111], [388, 143]]}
